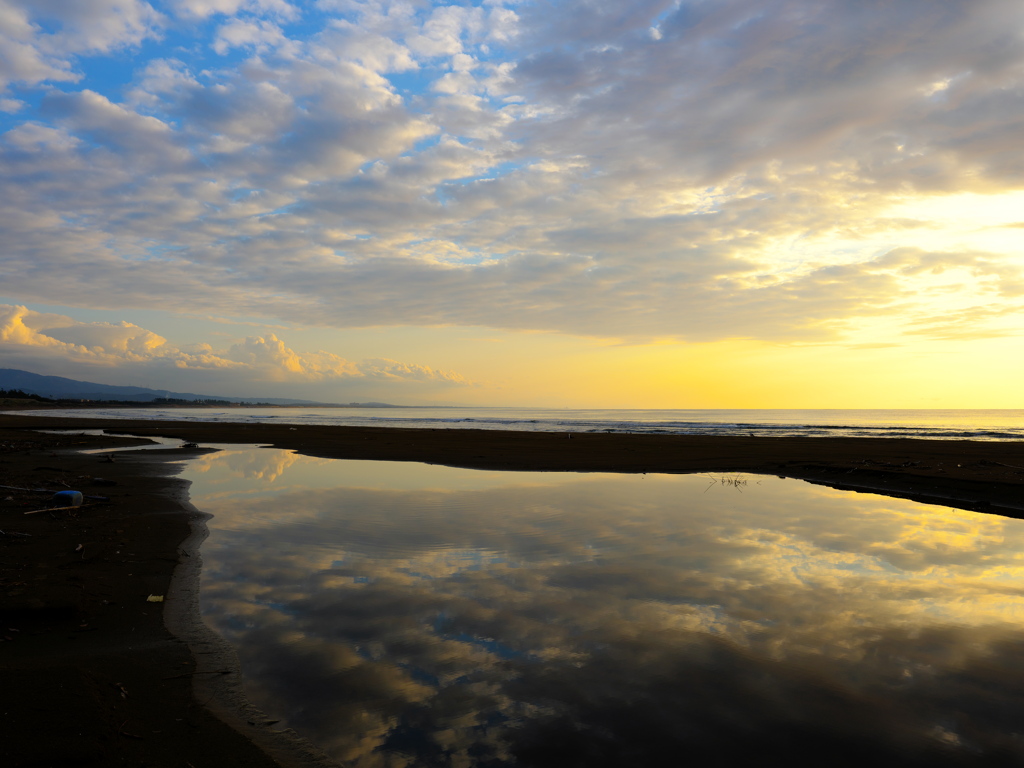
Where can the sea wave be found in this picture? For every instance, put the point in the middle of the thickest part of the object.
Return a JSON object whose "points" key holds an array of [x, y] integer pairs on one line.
{"points": [[928, 425]]}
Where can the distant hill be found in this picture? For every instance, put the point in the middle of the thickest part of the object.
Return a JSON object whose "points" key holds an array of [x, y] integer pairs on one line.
{"points": [[59, 388]]}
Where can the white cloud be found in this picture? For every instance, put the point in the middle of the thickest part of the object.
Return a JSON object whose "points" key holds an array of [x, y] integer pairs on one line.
{"points": [[36, 138], [21, 60], [29, 54], [94, 26], [344, 40], [442, 33], [205, 8], [257, 35], [504, 24]]}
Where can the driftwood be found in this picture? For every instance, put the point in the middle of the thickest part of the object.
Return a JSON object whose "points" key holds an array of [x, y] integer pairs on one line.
{"points": [[1011, 466], [58, 509]]}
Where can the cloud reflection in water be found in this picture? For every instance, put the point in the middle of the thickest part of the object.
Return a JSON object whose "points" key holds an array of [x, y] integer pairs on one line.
{"points": [[403, 614]]}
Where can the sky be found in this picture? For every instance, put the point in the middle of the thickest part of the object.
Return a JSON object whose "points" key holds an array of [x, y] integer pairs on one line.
{"points": [[585, 203]]}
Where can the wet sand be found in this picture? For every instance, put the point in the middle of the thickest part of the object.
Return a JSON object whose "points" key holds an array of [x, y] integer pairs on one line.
{"points": [[89, 673]]}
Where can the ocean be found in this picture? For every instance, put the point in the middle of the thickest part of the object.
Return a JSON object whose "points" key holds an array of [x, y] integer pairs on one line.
{"points": [[964, 424]]}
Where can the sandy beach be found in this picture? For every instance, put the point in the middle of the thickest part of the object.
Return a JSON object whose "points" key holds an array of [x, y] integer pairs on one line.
{"points": [[90, 673]]}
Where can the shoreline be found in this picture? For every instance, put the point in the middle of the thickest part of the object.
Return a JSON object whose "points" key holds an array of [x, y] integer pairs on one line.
{"points": [[93, 665], [89, 673], [216, 678], [975, 475]]}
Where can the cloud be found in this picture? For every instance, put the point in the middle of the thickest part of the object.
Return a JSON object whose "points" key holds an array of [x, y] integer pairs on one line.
{"points": [[22, 62], [39, 339], [30, 55], [124, 338], [204, 8], [545, 166], [94, 26], [383, 368], [376, 52], [140, 138], [261, 36]]}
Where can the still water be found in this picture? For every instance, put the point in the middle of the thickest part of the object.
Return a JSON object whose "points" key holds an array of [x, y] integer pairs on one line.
{"points": [[402, 614]]}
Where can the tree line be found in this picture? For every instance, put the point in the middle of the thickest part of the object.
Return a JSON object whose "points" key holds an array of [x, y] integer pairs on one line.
{"points": [[17, 393]]}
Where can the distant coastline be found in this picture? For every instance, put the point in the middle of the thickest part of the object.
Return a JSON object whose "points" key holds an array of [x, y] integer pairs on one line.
{"points": [[20, 385], [12, 404]]}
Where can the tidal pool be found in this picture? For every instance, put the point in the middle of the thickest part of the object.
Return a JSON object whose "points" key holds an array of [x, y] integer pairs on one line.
{"points": [[401, 614]]}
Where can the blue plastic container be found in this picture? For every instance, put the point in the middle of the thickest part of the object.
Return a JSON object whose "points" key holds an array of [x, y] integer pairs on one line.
{"points": [[67, 499]]}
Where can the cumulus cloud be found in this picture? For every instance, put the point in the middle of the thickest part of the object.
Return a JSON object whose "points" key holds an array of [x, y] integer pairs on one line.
{"points": [[21, 327], [205, 8], [550, 166], [30, 54], [260, 36], [22, 62], [37, 338], [94, 26]]}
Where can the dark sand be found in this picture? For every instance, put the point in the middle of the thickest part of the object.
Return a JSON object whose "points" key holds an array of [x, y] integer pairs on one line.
{"points": [[91, 676]]}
